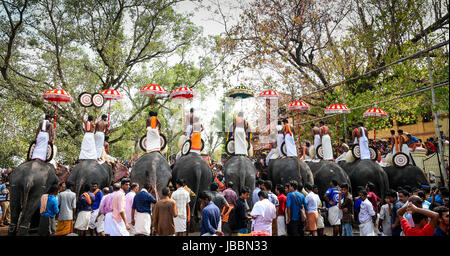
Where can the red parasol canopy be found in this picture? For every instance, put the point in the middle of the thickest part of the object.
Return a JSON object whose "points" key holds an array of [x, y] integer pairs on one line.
{"points": [[269, 94], [182, 92], [57, 95], [337, 108], [153, 90], [298, 105], [375, 112], [111, 94]]}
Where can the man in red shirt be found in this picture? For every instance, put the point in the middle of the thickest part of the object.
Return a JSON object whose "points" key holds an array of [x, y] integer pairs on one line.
{"points": [[281, 221], [420, 217]]}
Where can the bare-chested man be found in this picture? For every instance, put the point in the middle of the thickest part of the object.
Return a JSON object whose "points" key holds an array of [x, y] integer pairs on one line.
{"points": [[393, 142], [88, 150], [316, 136], [100, 129], [44, 135], [289, 133]]}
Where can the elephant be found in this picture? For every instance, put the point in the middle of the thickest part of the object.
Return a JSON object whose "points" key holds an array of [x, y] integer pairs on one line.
{"points": [[284, 170], [324, 171], [90, 171], [197, 175], [363, 171], [152, 168], [410, 175], [28, 182], [242, 172]]}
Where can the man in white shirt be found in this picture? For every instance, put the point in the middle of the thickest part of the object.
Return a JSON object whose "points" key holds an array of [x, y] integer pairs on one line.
{"points": [[312, 215], [263, 213], [129, 197], [366, 216], [255, 197], [182, 199], [320, 220]]}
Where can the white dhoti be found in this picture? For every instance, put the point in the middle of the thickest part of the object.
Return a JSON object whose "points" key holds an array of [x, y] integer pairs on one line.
{"points": [[40, 150], [317, 141], [366, 229], [82, 222], [99, 141], [326, 146], [153, 140], [188, 131], [333, 215], [281, 226], [180, 224], [280, 140], [291, 149], [240, 143], [94, 215], [108, 223], [272, 152], [320, 222], [88, 150], [405, 149], [341, 157], [364, 148], [100, 224], [118, 228], [143, 223]]}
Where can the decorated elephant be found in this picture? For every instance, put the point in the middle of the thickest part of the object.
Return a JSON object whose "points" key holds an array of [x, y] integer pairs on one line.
{"points": [[241, 171], [362, 171], [324, 171], [28, 182], [90, 171], [153, 169], [197, 175], [286, 169], [410, 175]]}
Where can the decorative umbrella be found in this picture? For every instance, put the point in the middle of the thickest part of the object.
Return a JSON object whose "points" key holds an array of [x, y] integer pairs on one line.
{"points": [[375, 112], [183, 93], [153, 91], [337, 108], [240, 92], [298, 106], [269, 95], [111, 94], [56, 95]]}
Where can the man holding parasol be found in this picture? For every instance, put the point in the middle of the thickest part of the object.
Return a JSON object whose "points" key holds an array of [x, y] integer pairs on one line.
{"points": [[289, 133], [153, 128], [88, 149], [44, 135], [100, 130], [363, 141], [240, 126], [326, 141]]}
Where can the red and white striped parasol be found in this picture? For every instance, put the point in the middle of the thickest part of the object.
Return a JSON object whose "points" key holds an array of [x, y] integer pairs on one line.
{"points": [[269, 94], [182, 92], [111, 94], [375, 112], [337, 108], [298, 105], [153, 90], [56, 95]]}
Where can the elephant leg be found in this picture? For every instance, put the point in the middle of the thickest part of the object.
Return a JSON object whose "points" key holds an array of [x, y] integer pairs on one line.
{"points": [[27, 213], [15, 199]]}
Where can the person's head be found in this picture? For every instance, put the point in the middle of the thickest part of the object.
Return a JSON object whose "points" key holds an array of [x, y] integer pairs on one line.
{"points": [[259, 183], [321, 123], [106, 138], [278, 122], [443, 216], [279, 189], [308, 187], [407, 188], [116, 186], [263, 195], [244, 192], [90, 118], [370, 187], [400, 131], [363, 194], [205, 197], [315, 189], [293, 185], [48, 117], [333, 183], [267, 185], [214, 186], [69, 185], [134, 187], [308, 144], [422, 195], [241, 114], [285, 121], [360, 123], [125, 184], [313, 125], [104, 117], [417, 201], [403, 196], [179, 183], [191, 110], [230, 184], [419, 219], [152, 113], [165, 191], [94, 186], [408, 135], [391, 196], [443, 192], [345, 188], [392, 132], [147, 186], [53, 190], [286, 188], [105, 190], [345, 147]]}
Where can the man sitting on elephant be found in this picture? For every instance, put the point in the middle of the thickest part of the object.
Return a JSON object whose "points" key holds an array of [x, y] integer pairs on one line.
{"points": [[316, 136], [240, 126], [196, 136], [345, 149], [44, 135], [100, 129], [88, 150], [191, 123], [402, 141], [274, 149], [153, 128], [363, 141], [326, 141], [289, 133]]}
